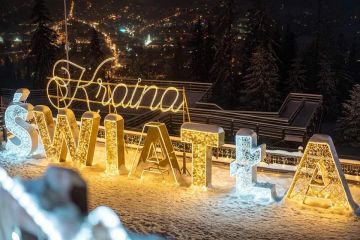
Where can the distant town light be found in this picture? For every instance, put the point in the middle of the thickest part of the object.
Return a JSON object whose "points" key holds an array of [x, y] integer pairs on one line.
{"points": [[148, 40], [17, 39]]}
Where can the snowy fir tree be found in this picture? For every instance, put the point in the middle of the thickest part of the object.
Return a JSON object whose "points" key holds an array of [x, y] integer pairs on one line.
{"points": [[349, 123], [262, 80], [327, 87], [297, 76], [225, 68], [43, 47]]}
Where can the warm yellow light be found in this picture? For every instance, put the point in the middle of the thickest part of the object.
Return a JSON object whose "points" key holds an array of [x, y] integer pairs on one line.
{"points": [[319, 179], [203, 138], [114, 144], [157, 138], [107, 94], [65, 135]]}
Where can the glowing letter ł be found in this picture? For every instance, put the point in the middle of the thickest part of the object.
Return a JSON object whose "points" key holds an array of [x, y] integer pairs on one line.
{"points": [[319, 179], [25, 139], [248, 155], [65, 135], [203, 138], [114, 144]]}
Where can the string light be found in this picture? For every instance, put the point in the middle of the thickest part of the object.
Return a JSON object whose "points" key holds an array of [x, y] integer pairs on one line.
{"points": [[41, 217], [109, 92], [114, 144], [319, 179], [156, 135], [203, 138], [101, 217], [25, 139], [65, 135], [248, 155]]}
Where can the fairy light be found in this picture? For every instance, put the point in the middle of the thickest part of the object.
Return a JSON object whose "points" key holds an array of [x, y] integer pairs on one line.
{"points": [[203, 138], [65, 136], [248, 155], [41, 217], [133, 96], [114, 144], [25, 139], [319, 179], [102, 218], [156, 135]]}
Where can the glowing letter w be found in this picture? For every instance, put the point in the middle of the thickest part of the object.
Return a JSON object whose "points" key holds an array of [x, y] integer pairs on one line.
{"points": [[65, 135]]}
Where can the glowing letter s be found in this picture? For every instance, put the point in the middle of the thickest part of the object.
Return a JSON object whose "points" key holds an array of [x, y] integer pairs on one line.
{"points": [[25, 139]]}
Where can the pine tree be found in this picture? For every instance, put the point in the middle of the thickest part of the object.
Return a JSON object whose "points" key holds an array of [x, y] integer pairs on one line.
{"points": [[177, 66], [287, 55], [297, 76], [96, 55], [344, 80], [262, 80], [209, 50], [223, 73], [327, 87], [311, 62], [43, 47], [349, 123], [197, 65], [353, 64]]}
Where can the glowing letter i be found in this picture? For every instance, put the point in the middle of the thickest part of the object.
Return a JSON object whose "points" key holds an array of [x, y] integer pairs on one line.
{"points": [[114, 144]]}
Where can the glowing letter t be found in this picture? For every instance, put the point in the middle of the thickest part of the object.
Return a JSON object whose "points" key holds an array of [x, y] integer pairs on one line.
{"points": [[203, 138]]}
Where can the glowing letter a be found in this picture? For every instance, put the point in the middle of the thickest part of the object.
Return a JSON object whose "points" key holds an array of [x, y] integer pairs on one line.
{"points": [[319, 179], [203, 138], [65, 135]]}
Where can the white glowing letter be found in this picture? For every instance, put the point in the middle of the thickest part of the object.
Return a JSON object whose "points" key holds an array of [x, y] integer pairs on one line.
{"points": [[248, 155], [25, 139], [203, 138]]}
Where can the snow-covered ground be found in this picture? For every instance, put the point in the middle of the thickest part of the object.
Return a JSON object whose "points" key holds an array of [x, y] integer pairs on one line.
{"points": [[151, 206]]}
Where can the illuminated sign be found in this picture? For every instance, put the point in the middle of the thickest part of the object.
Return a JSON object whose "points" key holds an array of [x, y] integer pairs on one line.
{"points": [[114, 144], [157, 137], [25, 137], [65, 135], [203, 138], [96, 91], [248, 155], [319, 179]]}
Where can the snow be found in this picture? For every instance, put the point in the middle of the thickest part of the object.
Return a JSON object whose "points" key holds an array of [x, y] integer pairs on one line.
{"points": [[202, 127], [150, 206]]}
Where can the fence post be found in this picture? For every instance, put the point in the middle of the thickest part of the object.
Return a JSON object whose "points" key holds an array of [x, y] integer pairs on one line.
{"points": [[184, 159]]}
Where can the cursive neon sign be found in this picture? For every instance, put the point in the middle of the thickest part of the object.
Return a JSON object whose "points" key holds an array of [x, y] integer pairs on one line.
{"points": [[95, 90]]}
